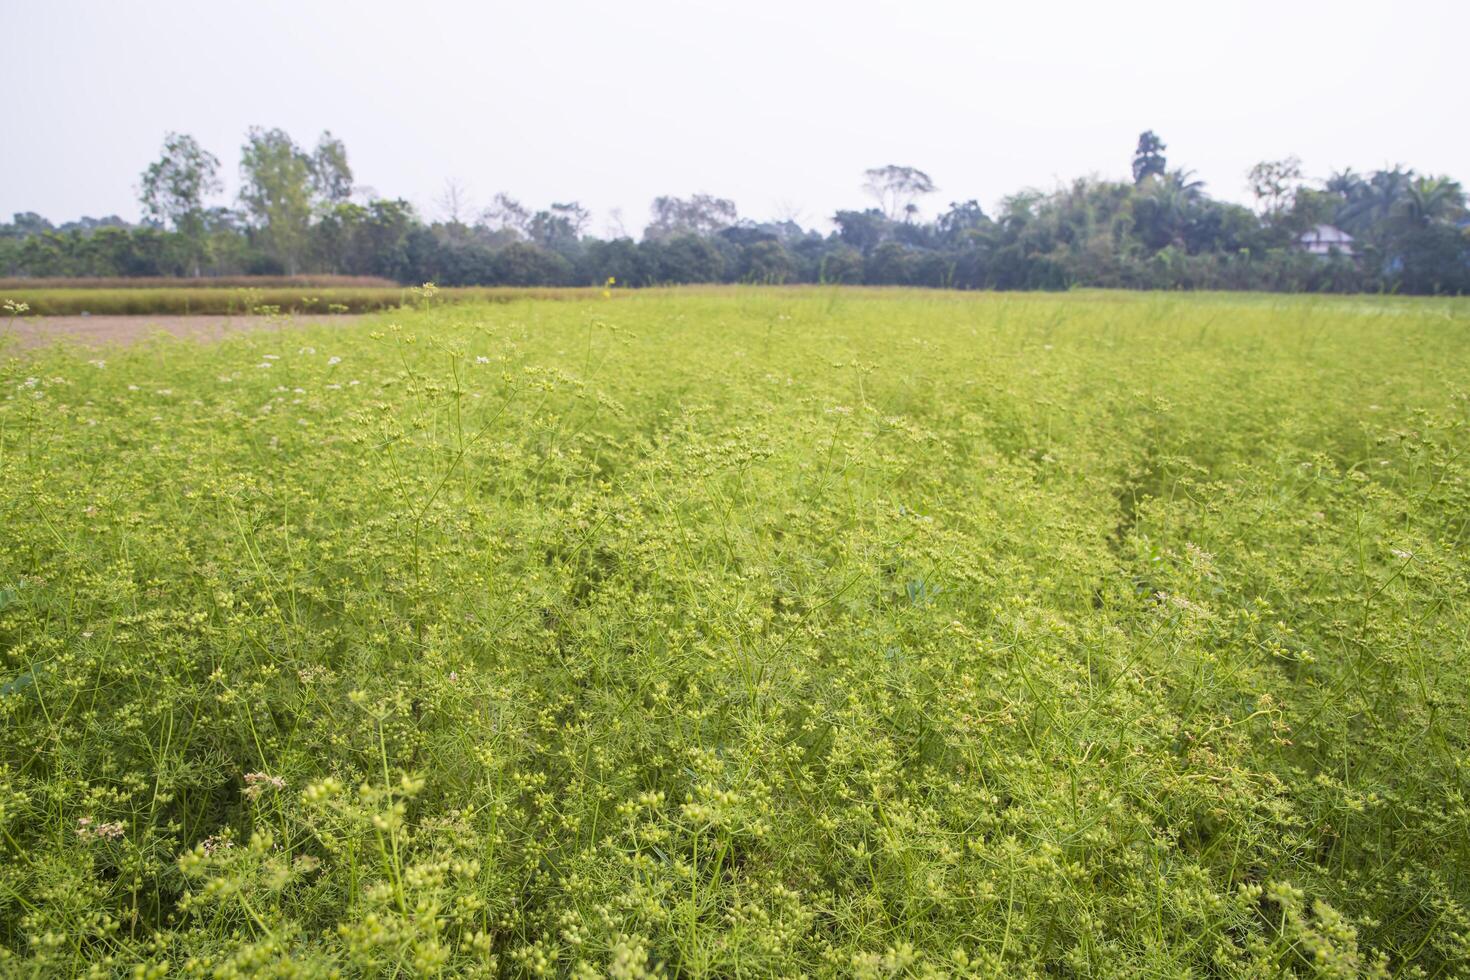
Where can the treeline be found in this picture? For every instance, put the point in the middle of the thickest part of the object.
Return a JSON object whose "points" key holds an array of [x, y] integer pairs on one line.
{"points": [[298, 212]]}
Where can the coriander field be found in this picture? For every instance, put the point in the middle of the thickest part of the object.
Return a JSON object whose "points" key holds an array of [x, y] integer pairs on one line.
{"points": [[744, 633]]}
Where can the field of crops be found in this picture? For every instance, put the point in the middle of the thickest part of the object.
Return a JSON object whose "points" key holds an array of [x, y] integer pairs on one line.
{"points": [[13, 287], [210, 300], [750, 634]]}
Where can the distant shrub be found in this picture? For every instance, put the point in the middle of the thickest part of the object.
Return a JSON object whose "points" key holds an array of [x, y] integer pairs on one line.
{"points": [[523, 264]]}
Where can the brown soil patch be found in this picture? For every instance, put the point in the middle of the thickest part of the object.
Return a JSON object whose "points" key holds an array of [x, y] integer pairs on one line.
{"points": [[101, 331]]}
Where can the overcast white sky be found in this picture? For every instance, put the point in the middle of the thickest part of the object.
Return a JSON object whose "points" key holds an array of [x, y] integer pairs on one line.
{"points": [[778, 105]]}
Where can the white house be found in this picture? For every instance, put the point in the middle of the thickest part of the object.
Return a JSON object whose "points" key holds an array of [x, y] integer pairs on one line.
{"points": [[1325, 239]]}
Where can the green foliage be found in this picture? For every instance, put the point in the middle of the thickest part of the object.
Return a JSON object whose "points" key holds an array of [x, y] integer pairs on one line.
{"points": [[698, 215], [331, 175], [1410, 233], [173, 189], [769, 263], [897, 189], [1148, 157], [685, 258], [1273, 184], [521, 264], [826, 633], [841, 266], [275, 191]]}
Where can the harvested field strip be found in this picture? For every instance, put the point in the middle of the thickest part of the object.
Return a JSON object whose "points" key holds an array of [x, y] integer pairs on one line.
{"points": [[238, 301], [201, 282]]}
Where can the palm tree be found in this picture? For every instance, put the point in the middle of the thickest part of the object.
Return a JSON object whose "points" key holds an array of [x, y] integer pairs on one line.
{"points": [[1165, 204], [1190, 188], [1369, 204], [1345, 184], [1429, 200]]}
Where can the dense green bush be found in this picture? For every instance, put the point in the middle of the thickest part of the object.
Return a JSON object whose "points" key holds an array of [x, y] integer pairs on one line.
{"points": [[520, 264], [750, 634]]}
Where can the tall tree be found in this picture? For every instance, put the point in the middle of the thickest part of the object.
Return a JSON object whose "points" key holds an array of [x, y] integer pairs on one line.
{"points": [[560, 227], [1273, 183], [897, 189], [576, 216], [453, 201], [1148, 157], [507, 214], [26, 223], [275, 190], [962, 218], [700, 214], [331, 176], [173, 188]]}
